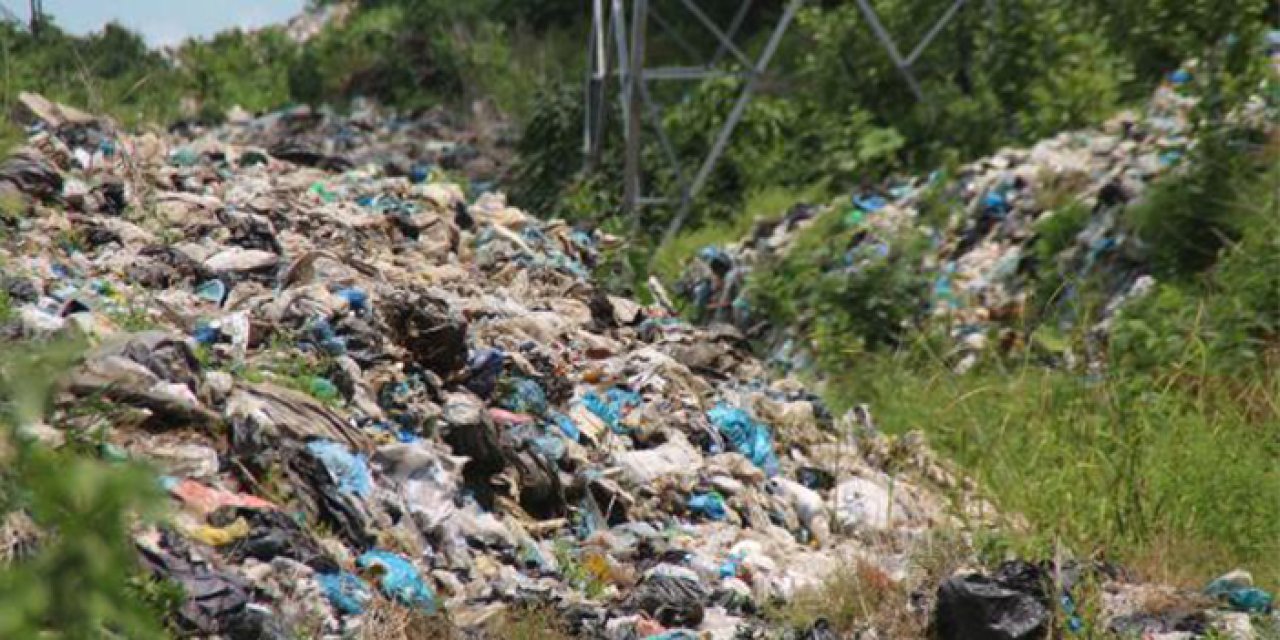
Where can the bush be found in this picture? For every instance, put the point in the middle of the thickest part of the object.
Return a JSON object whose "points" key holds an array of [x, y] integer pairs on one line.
{"points": [[75, 582], [846, 288]]}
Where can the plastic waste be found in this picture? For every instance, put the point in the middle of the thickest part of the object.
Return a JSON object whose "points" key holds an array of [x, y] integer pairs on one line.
{"points": [[869, 203], [214, 291], [221, 536], [1236, 589], [484, 367], [613, 407], [399, 579], [356, 298], [709, 505], [566, 425], [350, 471], [749, 437], [978, 607], [206, 499], [320, 333], [673, 595], [525, 396], [322, 388], [346, 592]]}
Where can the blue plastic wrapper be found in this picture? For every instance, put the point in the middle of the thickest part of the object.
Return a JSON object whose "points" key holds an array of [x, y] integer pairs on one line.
{"points": [[356, 298], [1240, 595], [399, 579], [350, 470], [420, 173], [567, 426], [869, 203], [709, 505], [346, 592], [525, 396], [322, 335], [485, 366], [612, 408], [676, 634], [995, 202], [213, 290], [205, 334], [550, 446], [749, 437], [732, 565]]}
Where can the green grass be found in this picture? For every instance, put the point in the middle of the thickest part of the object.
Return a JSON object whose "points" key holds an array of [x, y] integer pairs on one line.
{"points": [[1174, 473], [772, 202]]}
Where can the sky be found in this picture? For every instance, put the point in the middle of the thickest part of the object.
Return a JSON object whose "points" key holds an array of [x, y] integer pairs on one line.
{"points": [[163, 22]]}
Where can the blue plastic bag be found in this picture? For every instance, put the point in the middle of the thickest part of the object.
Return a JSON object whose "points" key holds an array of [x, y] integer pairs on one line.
{"points": [[214, 291], [357, 299], [710, 505], [346, 592], [321, 333], [1240, 595], [749, 437], [869, 203], [400, 579], [996, 203], [485, 367], [567, 426], [613, 407], [351, 471], [525, 396]]}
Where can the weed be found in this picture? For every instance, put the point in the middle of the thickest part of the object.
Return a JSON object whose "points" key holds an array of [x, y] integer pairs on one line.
{"points": [[132, 318], [389, 620], [857, 597], [6, 307], [530, 624], [576, 572]]}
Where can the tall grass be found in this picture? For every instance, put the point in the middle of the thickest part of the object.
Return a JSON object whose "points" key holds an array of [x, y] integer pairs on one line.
{"points": [[1174, 473]]}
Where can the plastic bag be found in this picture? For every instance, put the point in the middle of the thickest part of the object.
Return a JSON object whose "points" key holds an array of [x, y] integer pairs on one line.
{"points": [[613, 407], [399, 579], [346, 592], [709, 505], [749, 437], [525, 396], [978, 607], [351, 471]]}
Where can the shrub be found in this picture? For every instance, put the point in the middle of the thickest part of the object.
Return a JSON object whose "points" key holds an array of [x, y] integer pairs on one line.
{"points": [[75, 583]]}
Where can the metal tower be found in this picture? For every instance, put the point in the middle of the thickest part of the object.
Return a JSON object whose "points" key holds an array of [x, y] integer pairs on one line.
{"points": [[617, 50]]}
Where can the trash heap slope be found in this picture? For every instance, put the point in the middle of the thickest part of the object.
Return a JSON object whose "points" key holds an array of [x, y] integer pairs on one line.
{"points": [[998, 250]]}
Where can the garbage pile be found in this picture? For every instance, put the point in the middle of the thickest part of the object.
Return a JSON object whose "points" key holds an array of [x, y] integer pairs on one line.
{"points": [[430, 143], [364, 389], [364, 386], [982, 263]]}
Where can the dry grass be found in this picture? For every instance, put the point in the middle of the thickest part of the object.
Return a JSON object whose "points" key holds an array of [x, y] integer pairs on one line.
{"points": [[529, 624], [388, 620], [856, 599], [18, 537]]}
